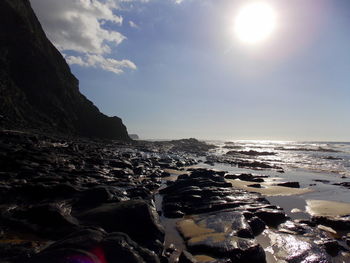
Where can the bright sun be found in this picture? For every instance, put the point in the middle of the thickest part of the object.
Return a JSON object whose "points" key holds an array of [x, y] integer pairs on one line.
{"points": [[255, 22]]}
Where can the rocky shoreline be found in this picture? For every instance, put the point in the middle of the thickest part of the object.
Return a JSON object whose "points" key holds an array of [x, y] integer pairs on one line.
{"points": [[70, 200]]}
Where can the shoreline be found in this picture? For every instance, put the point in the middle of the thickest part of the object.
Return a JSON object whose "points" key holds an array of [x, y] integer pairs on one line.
{"points": [[57, 189]]}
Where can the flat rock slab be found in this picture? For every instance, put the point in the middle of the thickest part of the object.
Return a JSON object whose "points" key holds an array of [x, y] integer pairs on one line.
{"points": [[230, 222], [221, 235], [226, 246], [293, 248]]}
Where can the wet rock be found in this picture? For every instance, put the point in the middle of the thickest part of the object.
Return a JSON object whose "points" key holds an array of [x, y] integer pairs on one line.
{"points": [[94, 245], [250, 153], [66, 255], [247, 177], [344, 184], [101, 194], [331, 246], [136, 218], [289, 184], [257, 225], [221, 245], [48, 220], [171, 248], [338, 222], [255, 185], [15, 252], [347, 239], [296, 228], [121, 164], [174, 214], [190, 146], [272, 217], [202, 172], [204, 191], [293, 248], [187, 257], [231, 221], [122, 172], [332, 158], [139, 192], [322, 181], [220, 234], [41, 192], [115, 245], [256, 165]]}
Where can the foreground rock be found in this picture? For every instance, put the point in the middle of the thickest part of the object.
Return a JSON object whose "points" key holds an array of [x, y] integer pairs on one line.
{"points": [[135, 218], [223, 235], [67, 201], [95, 245], [54, 188], [206, 191], [220, 215], [221, 222]]}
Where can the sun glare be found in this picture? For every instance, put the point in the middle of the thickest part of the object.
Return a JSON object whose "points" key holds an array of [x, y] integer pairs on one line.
{"points": [[255, 22]]}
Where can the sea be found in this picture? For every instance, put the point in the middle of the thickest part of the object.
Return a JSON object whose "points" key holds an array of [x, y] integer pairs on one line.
{"points": [[323, 157]]}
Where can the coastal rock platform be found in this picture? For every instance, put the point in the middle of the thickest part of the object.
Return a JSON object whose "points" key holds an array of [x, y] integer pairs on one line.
{"points": [[70, 200]]}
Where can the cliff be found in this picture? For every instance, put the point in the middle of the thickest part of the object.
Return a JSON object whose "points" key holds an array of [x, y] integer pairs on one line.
{"points": [[37, 88]]}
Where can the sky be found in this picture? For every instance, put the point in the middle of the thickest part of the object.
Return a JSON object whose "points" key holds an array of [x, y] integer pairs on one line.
{"points": [[176, 69]]}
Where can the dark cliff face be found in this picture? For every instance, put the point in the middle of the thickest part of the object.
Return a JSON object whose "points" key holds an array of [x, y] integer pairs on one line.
{"points": [[37, 88]]}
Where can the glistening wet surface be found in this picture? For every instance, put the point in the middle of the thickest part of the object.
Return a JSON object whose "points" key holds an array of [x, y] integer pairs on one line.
{"points": [[278, 243]]}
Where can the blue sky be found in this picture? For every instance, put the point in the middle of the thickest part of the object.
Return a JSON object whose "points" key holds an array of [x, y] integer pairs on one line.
{"points": [[177, 69]]}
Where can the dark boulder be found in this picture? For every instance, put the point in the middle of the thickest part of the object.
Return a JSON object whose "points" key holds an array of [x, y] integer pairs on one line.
{"points": [[47, 220], [136, 218], [257, 225], [95, 246], [272, 217]]}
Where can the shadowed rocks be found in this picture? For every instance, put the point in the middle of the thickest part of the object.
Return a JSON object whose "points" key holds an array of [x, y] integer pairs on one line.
{"points": [[95, 246], [136, 218]]}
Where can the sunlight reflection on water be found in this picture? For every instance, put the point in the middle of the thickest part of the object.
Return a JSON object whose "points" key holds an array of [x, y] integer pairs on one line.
{"points": [[330, 157]]}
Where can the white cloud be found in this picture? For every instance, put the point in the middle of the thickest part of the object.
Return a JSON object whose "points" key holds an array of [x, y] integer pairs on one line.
{"points": [[78, 25], [133, 24], [98, 61]]}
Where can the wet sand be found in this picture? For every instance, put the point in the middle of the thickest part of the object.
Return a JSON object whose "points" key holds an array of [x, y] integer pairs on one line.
{"points": [[327, 208], [268, 189]]}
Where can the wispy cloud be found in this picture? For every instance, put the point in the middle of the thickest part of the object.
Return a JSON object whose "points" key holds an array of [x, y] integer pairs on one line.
{"points": [[98, 61], [133, 24], [79, 26]]}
